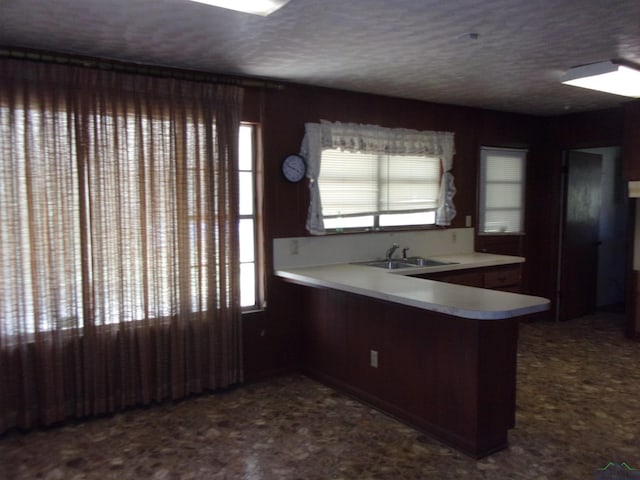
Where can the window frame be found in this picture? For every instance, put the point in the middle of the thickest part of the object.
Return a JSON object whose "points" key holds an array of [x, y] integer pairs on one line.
{"points": [[376, 216], [256, 216], [521, 154], [70, 320]]}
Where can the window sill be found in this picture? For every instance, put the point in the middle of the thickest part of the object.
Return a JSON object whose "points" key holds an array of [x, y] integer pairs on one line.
{"points": [[501, 234], [253, 310], [408, 228]]}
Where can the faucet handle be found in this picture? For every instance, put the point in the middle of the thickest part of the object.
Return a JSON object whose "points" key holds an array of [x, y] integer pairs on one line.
{"points": [[404, 252]]}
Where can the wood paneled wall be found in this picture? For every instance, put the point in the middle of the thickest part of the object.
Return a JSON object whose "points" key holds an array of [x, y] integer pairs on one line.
{"points": [[272, 337], [286, 111], [544, 188], [631, 144]]}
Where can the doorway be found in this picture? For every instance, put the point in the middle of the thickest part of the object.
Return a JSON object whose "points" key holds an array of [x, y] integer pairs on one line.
{"points": [[593, 240]]}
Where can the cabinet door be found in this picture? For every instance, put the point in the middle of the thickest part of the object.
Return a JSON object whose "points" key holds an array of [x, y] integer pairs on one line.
{"points": [[506, 278], [325, 339], [470, 278], [503, 278]]}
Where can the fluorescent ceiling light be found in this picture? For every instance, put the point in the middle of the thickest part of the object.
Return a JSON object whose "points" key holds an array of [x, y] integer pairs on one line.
{"points": [[606, 77], [255, 7]]}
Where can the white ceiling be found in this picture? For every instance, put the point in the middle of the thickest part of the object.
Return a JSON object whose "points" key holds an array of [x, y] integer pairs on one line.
{"points": [[420, 49]]}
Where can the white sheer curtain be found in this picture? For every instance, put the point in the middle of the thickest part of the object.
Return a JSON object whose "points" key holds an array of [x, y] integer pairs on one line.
{"points": [[375, 139], [446, 210], [119, 257], [311, 150]]}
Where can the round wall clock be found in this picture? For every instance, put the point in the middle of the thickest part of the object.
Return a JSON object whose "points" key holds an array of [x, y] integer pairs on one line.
{"points": [[294, 168]]}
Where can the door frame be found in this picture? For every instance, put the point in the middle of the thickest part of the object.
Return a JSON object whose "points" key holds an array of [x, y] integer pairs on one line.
{"points": [[616, 189]]}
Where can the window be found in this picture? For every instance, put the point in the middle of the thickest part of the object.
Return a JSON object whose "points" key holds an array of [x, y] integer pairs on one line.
{"points": [[126, 294], [119, 250], [249, 271], [372, 190], [367, 176], [502, 182]]}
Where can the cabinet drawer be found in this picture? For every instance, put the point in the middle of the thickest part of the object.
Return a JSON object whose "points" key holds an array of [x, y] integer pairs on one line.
{"points": [[470, 279], [502, 277]]}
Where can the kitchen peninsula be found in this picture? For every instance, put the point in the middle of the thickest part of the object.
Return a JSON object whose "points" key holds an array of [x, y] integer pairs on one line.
{"points": [[439, 356]]}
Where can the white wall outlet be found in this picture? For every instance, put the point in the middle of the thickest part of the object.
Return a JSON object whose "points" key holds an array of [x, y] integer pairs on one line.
{"points": [[467, 221], [294, 247], [373, 358]]}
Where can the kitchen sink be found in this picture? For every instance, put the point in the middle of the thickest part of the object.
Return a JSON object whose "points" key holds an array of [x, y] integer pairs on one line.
{"points": [[412, 262], [426, 262], [389, 264]]}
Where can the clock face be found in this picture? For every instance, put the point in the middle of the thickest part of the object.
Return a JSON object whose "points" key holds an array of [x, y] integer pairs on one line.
{"points": [[294, 168]]}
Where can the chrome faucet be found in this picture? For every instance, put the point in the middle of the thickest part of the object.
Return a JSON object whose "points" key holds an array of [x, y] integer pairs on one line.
{"points": [[390, 252]]}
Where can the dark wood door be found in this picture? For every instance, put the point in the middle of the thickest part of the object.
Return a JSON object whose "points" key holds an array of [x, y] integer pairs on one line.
{"points": [[580, 240]]}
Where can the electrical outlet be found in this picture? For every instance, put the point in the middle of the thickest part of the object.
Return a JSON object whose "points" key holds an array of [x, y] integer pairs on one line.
{"points": [[294, 247], [373, 358], [467, 221]]}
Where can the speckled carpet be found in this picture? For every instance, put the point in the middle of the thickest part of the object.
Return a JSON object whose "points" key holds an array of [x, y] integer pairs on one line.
{"points": [[578, 410]]}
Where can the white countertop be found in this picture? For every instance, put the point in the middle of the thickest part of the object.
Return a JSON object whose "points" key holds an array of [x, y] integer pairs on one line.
{"points": [[395, 286]]}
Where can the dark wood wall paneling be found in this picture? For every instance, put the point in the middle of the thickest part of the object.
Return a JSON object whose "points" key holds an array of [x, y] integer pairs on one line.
{"points": [[505, 130], [450, 376], [273, 336], [287, 111], [631, 145], [544, 188]]}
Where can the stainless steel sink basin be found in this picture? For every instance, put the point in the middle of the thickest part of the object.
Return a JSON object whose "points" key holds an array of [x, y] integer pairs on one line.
{"points": [[426, 262], [390, 265], [412, 262]]}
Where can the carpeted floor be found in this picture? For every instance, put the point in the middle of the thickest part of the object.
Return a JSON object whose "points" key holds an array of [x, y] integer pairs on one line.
{"points": [[578, 410]]}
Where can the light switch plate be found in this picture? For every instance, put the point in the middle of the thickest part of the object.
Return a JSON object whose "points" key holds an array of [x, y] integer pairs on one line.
{"points": [[373, 358]]}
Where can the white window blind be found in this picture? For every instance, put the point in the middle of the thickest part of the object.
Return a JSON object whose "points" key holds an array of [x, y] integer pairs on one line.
{"points": [[356, 184], [502, 182], [409, 183], [348, 183]]}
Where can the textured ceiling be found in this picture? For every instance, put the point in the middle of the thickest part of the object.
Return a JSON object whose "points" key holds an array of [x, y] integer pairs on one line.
{"points": [[421, 49]]}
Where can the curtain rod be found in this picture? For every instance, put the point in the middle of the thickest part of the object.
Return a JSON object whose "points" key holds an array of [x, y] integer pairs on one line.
{"points": [[134, 68]]}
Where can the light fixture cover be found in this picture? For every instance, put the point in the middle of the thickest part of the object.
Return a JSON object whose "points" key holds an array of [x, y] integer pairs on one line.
{"points": [[607, 77], [255, 7]]}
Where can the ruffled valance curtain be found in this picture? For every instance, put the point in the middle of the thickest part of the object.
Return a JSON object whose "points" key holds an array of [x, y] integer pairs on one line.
{"points": [[375, 139]]}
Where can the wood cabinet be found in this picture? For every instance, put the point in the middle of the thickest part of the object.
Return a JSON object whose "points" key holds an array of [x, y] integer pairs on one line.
{"points": [[471, 278], [507, 278], [451, 377]]}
